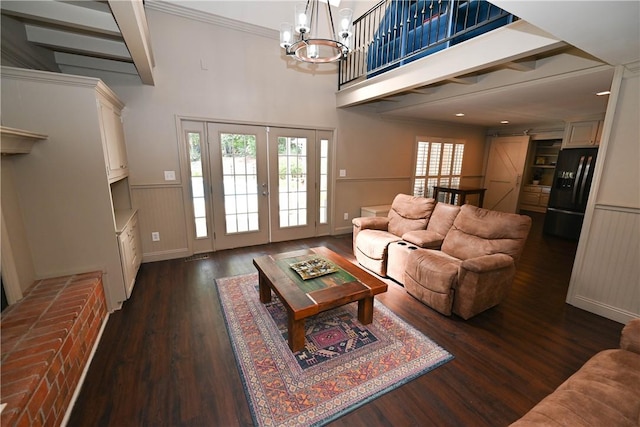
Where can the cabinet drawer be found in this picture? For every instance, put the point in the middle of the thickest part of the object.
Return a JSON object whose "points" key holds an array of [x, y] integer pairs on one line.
{"points": [[531, 188], [545, 190], [530, 198], [544, 200]]}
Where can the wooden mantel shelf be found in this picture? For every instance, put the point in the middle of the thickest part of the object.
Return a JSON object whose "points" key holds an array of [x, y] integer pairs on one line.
{"points": [[18, 141]]}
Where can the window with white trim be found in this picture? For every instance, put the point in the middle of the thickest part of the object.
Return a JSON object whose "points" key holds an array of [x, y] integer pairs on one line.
{"points": [[438, 162]]}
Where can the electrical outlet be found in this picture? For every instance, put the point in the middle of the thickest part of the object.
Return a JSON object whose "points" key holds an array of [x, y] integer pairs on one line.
{"points": [[346, 216], [169, 175], [155, 236]]}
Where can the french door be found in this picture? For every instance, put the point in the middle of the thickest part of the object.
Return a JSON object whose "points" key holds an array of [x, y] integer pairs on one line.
{"points": [[253, 184], [292, 163], [240, 185]]}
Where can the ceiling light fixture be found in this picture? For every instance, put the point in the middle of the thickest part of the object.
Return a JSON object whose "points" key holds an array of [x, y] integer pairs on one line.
{"points": [[459, 114], [504, 122], [604, 92], [310, 47]]}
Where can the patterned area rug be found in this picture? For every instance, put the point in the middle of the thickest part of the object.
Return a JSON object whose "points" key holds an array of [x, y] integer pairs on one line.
{"points": [[344, 364]]}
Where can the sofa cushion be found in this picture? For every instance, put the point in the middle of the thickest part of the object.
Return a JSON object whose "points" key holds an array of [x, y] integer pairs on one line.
{"points": [[476, 232], [442, 218], [409, 213], [604, 392], [373, 243]]}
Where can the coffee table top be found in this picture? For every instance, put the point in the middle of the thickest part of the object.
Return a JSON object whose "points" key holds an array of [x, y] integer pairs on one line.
{"points": [[305, 298]]}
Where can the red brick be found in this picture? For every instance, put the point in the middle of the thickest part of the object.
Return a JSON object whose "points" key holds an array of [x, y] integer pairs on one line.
{"points": [[71, 306], [18, 323], [77, 310], [29, 308], [54, 369], [17, 401], [24, 351], [9, 416], [55, 280], [38, 397], [25, 421], [78, 295], [49, 333], [21, 385], [8, 345], [48, 321], [47, 404], [37, 369]]}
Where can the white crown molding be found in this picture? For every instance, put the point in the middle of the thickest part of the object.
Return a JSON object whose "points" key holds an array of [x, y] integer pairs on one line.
{"points": [[185, 12], [62, 79], [633, 67]]}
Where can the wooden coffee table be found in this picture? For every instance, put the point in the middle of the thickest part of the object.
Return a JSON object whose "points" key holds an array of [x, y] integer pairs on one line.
{"points": [[305, 298]]}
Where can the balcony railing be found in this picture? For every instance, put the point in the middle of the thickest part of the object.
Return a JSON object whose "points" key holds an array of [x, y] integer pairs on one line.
{"points": [[396, 32]]}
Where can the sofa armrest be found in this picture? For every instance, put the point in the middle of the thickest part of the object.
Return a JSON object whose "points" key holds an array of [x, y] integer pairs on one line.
{"points": [[485, 263], [371, 222], [630, 336], [424, 239]]}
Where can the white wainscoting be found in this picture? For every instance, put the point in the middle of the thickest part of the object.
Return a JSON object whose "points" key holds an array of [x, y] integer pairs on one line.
{"points": [[606, 273], [161, 209]]}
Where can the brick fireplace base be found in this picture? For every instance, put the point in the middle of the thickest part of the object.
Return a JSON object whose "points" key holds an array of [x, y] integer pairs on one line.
{"points": [[46, 341]]}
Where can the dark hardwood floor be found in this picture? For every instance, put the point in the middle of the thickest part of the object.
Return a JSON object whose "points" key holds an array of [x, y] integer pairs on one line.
{"points": [[165, 358]]}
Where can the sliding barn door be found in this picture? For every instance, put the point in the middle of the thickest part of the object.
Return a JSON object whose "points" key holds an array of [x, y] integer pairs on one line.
{"points": [[505, 166]]}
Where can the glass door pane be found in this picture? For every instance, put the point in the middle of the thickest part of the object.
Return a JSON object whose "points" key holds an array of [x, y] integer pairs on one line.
{"points": [[292, 175], [292, 152], [240, 199], [240, 178], [197, 184], [198, 197]]}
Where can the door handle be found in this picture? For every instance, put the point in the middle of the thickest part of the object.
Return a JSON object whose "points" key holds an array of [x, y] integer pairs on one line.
{"points": [[575, 182], [584, 179]]}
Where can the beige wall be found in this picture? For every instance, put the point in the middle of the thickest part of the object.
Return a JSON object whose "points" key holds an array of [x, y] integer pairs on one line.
{"points": [[200, 76], [15, 228], [378, 154], [245, 80]]}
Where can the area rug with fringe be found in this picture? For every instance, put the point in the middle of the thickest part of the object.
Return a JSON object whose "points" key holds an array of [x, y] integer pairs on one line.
{"points": [[344, 364]]}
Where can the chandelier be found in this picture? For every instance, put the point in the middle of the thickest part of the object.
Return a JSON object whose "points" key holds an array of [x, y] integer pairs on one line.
{"points": [[309, 47]]}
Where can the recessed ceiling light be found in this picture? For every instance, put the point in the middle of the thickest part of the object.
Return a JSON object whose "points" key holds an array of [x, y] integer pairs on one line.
{"points": [[459, 114], [504, 122], [604, 92]]}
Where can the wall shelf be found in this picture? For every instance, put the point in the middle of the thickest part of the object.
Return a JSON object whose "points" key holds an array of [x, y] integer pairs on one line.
{"points": [[18, 141]]}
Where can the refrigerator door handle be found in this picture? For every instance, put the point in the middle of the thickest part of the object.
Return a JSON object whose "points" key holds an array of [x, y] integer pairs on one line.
{"points": [[584, 179], [576, 180]]}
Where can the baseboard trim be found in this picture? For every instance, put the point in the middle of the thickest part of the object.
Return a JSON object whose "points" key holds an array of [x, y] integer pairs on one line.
{"points": [[165, 255], [604, 310], [76, 392]]}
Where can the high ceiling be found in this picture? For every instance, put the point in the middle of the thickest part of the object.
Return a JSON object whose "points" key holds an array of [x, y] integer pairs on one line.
{"points": [[83, 37]]}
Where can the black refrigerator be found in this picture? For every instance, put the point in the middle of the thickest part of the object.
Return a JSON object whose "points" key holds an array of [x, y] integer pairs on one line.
{"points": [[570, 191]]}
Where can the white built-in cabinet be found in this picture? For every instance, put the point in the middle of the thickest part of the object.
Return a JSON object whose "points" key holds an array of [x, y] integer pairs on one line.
{"points": [[114, 145], [73, 187], [130, 246], [583, 134]]}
